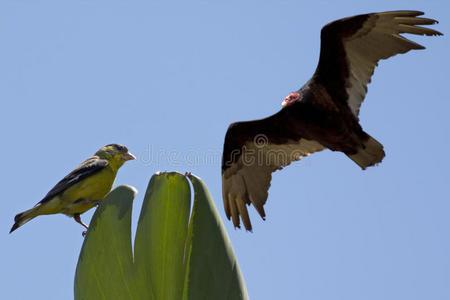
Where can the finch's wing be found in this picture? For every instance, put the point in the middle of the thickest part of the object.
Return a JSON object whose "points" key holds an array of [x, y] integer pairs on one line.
{"points": [[87, 168]]}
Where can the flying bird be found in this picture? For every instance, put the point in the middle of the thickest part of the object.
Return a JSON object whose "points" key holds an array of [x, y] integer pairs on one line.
{"points": [[322, 114], [81, 189]]}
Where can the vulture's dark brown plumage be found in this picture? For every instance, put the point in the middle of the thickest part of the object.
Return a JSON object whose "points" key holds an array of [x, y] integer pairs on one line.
{"points": [[322, 114]]}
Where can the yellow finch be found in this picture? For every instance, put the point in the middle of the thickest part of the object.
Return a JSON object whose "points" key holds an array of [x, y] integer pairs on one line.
{"points": [[83, 188]]}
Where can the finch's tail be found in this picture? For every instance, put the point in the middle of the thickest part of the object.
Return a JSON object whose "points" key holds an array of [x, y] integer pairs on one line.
{"points": [[370, 153], [23, 217]]}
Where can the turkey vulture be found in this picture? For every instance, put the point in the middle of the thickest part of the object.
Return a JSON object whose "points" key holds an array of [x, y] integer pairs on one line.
{"points": [[322, 114]]}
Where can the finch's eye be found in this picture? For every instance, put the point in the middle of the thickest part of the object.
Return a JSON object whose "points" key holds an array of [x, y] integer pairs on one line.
{"points": [[122, 148]]}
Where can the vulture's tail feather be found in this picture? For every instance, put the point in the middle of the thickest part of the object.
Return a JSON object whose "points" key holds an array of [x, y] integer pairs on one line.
{"points": [[370, 153]]}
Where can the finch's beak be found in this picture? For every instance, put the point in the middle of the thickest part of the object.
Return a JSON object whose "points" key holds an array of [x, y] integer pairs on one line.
{"points": [[129, 156]]}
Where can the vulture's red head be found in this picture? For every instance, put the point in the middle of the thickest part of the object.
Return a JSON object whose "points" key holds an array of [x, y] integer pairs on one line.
{"points": [[290, 99]]}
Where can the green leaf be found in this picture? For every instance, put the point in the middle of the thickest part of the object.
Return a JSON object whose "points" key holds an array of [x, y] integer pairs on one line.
{"points": [[174, 258], [161, 235], [106, 256], [213, 271]]}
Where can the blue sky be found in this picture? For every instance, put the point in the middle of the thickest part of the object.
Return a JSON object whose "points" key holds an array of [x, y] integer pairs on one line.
{"points": [[166, 79]]}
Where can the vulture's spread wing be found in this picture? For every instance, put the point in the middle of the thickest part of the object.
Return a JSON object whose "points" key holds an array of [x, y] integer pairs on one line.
{"points": [[252, 151], [351, 48]]}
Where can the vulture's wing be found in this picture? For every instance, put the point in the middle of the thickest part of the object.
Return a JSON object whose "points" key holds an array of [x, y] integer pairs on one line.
{"points": [[252, 151], [351, 48]]}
